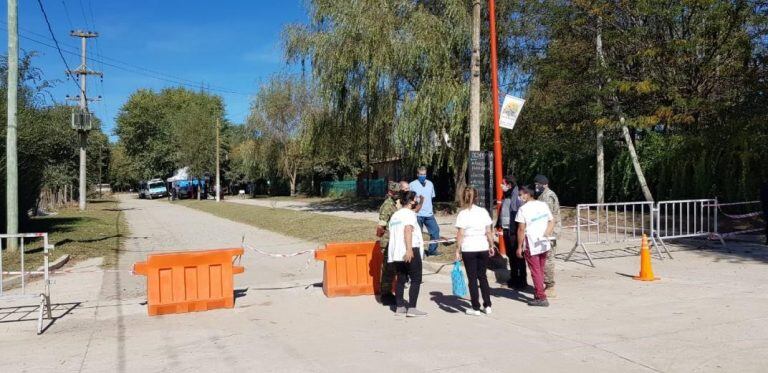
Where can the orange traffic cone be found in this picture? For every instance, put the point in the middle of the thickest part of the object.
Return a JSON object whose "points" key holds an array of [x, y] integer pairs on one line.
{"points": [[646, 271]]}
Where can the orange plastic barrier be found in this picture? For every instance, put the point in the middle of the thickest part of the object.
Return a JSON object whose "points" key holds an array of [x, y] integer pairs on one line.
{"points": [[352, 268], [189, 281]]}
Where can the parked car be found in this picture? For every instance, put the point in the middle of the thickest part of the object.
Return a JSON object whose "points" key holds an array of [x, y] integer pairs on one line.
{"points": [[154, 188]]}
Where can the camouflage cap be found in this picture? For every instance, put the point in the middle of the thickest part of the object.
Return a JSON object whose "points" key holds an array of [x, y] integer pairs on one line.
{"points": [[393, 186]]}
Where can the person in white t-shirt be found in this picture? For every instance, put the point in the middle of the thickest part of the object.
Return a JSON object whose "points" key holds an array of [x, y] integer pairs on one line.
{"points": [[475, 241], [535, 226], [406, 250]]}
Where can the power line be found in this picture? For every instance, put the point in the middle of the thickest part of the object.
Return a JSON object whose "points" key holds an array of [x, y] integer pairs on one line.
{"points": [[69, 19], [56, 42], [85, 19], [134, 69]]}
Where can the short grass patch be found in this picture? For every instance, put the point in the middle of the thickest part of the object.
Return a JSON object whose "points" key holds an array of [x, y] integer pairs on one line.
{"points": [[308, 226], [96, 232], [304, 225]]}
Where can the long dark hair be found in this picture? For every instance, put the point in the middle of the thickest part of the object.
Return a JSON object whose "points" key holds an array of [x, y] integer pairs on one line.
{"points": [[468, 197], [406, 197]]}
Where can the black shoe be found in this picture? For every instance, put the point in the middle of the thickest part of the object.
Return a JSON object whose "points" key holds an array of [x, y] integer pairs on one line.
{"points": [[539, 303], [388, 300]]}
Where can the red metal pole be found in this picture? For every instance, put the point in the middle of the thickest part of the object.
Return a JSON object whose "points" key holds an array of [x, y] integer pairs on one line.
{"points": [[495, 99]]}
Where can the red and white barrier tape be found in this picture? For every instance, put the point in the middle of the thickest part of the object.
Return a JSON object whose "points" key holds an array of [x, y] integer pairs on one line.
{"points": [[729, 234], [737, 216], [742, 216], [440, 240], [275, 255]]}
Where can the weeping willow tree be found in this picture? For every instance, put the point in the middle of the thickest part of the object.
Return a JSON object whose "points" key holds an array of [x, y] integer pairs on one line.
{"points": [[394, 75]]}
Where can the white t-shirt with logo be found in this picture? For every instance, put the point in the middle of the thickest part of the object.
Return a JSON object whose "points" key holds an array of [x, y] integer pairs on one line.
{"points": [[474, 221], [397, 223], [536, 216]]}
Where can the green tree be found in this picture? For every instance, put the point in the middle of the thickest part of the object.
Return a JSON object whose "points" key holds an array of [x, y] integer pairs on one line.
{"points": [[160, 132], [280, 114]]}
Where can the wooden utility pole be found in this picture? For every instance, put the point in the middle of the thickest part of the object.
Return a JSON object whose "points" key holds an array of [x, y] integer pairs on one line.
{"points": [[11, 160], [474, 84], [218, 163], [83, 122]]}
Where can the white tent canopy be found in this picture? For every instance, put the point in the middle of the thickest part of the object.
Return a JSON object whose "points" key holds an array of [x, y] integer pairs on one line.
{"points": [[181, 174]]}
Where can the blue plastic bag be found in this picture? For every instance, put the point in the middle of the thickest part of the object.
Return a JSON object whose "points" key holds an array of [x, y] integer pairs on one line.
{"points": [[457, 279]]}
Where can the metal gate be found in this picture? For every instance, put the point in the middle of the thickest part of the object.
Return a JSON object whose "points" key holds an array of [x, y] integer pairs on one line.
{"points": [[22, 275]]}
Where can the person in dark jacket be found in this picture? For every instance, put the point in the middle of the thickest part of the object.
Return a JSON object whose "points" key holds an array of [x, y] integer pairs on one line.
{"points": [[509, 206], [764, 200]]}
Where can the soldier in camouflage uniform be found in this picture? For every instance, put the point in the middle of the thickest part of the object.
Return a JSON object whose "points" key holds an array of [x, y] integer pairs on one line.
{"points": [[549, 197], [387, 209]]}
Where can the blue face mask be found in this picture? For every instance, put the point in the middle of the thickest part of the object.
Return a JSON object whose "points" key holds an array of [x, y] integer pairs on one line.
{"points": [[422, 179]]}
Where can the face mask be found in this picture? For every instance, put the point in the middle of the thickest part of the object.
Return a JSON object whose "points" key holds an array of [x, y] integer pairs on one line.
{"points": [[539, 189], [422, 179], [505, 188]]}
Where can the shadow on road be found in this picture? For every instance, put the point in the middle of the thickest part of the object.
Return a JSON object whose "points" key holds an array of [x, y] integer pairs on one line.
{"points": [[449, 303], [29, 313]]}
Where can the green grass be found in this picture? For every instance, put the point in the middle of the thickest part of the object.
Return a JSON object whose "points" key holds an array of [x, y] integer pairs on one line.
{"points": [[96, 232], [304, 225], [308, 226]]}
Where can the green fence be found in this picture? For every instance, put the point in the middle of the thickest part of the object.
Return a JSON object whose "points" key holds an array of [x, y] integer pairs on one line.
{"points": [[351, 188]]}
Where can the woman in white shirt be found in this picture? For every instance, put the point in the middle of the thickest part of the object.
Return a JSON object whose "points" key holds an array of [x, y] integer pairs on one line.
{"points": [[405, 251], [534, 229], [474, 245]]}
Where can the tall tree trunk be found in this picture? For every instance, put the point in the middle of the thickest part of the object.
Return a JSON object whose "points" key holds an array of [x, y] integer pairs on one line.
{"points": [[600, 166], [460, 179], [293, 184], [636, 162], [600, 131], [474, 84], [620, 113]]}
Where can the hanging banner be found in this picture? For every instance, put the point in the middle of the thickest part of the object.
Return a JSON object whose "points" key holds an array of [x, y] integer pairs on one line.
{"points": [[510, 111]]}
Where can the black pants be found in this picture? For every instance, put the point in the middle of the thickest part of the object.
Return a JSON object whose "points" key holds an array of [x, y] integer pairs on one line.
{"points": [[476, 264], [517, 271], [405, 271], [765, 221]]}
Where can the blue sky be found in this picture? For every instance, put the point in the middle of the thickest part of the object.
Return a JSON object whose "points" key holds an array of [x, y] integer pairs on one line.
{"points": [[233, 46]]}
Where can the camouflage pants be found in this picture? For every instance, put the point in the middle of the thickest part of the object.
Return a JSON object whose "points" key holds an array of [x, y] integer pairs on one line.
{"points": [[387, 270], [549, 266]]}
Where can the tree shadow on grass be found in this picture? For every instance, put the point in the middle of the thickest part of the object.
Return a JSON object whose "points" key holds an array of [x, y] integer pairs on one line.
{"points": [[87, 240], [347, 204], [59, 224]]}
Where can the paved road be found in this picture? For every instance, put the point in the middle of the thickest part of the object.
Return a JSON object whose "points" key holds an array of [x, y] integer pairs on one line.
{"points": [[706, 314]]}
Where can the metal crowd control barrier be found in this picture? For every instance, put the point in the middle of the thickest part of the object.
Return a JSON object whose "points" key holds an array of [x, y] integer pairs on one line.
{"points": [[44, 308], [686, 219], [608, 223]]}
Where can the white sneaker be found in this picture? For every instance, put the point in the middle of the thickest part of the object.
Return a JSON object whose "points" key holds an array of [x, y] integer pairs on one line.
{"points": [[488, 310], [472, 312]]}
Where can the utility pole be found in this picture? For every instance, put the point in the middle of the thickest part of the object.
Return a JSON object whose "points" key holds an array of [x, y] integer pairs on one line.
{"points": [[101, 150], [83, 123], [218, 163], [474, 84], [11, 165]]}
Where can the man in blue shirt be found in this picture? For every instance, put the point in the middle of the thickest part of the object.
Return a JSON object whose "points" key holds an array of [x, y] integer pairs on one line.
{"points": [[426, 191]]}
